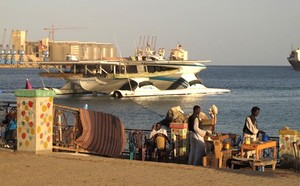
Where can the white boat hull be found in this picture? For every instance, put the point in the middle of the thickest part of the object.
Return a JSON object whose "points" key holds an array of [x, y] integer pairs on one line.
{"points": [[177, 92], [139, 87]]}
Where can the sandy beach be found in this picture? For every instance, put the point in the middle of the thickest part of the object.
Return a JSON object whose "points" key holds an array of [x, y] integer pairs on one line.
{"points": [[79, 169]]}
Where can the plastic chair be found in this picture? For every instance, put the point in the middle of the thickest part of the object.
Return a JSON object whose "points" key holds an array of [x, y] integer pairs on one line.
{"points": [[296, 146]]}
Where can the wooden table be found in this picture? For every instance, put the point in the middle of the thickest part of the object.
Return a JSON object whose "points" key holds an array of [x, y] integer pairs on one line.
{"points": [[252, 162], [258, 147], [216, 158], [220, 137]]}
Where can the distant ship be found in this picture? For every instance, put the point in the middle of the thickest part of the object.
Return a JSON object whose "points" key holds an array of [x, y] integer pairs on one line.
{"points": [[294, 59]]}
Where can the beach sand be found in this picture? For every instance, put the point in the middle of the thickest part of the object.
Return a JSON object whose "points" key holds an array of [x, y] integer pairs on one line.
{"points": [[19, 168]]}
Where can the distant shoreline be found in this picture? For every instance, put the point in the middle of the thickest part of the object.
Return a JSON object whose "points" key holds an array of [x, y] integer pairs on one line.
{"points": [[19, 66], [37, 66]]}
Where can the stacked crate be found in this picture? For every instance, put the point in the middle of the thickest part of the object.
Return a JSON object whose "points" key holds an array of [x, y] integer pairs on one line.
{"points": [[179, 137]]}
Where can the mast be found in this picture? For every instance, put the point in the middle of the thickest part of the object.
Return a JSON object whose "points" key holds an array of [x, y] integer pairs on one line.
{"points": [[154, 46]]}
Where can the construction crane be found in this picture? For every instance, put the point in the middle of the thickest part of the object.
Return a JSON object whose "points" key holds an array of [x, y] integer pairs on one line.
{"points": [[3, 38], [53, 29]]}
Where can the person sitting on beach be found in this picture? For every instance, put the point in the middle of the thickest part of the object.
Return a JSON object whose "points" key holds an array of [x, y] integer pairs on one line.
{"points": [[11, 129], [9, 126], [3, 127], [158, 128], [8, 129]]}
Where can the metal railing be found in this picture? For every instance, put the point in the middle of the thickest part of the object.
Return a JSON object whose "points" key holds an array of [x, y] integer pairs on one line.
{"points": [[7, 107], [66, 127]]}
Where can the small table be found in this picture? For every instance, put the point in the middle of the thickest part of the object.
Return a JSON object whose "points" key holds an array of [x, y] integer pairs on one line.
{"points": [[258, 147], [253, 162]]}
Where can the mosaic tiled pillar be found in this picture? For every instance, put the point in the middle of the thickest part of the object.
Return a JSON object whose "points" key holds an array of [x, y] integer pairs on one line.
{"points": [[34, 120]]}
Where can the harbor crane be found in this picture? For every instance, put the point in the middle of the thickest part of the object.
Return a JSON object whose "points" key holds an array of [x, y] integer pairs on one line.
{"points": [[53, 29], [3, 38]]}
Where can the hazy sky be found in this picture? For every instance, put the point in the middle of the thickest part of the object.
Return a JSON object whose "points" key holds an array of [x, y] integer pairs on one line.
{"points": [[229, 32]]}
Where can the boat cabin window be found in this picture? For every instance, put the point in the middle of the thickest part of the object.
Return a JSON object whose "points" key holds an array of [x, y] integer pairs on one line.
{"points": [[145, 83], [132, 86], [194, 82]]}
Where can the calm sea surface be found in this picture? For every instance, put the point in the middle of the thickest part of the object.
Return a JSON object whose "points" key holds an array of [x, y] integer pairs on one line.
{"points": [[276, 90]]}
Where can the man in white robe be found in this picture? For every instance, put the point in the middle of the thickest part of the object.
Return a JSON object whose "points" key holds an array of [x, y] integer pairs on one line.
{"points": [[196, 136]]}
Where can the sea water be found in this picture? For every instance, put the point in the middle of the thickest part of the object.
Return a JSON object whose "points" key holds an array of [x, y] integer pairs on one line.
{"points": [[275, 89]]}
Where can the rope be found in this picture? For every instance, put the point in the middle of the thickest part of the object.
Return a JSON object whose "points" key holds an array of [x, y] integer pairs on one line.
{"points": [[145, 108]]}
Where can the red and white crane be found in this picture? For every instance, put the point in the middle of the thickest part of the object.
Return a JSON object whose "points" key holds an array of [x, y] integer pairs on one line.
{"points": [[53, 29]]}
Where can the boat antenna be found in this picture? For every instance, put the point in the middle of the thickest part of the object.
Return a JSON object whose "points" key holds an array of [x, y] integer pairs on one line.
{"points": [[118, 47], [136, 47], [143, 43], [152, 43], [123, 64], [154, 47], [147, 40], [140, 40]]}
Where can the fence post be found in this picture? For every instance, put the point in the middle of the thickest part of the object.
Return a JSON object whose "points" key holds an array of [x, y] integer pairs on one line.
{"points": [[34, 120]]}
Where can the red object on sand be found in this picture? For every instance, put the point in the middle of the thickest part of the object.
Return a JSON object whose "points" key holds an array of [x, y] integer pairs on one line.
{"points": [[28, 84]]}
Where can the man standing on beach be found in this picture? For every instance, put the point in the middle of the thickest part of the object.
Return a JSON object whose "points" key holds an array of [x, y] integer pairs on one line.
{"points": [[196, 136]]}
